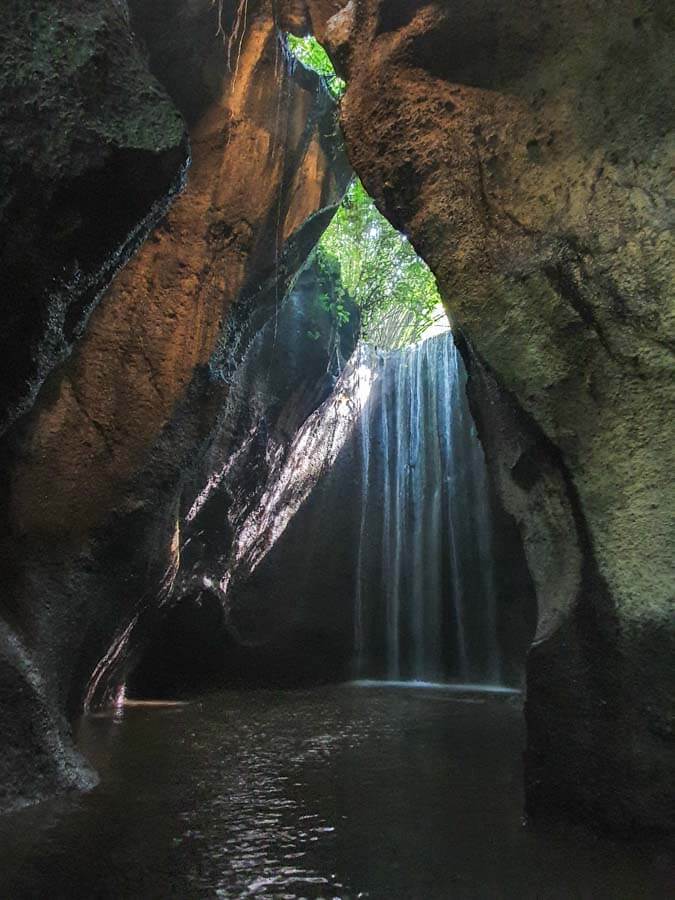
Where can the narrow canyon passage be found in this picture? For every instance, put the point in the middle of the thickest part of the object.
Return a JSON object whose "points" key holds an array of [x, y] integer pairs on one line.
{"points": [[336, 450], [403, 783], [331, 792]]}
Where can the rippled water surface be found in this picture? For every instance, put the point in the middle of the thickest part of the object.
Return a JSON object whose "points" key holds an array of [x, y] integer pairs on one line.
{"points": [[337, 792]]}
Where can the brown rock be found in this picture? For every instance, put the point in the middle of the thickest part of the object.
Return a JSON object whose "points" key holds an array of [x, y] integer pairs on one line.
{"points": [[95, 474]]}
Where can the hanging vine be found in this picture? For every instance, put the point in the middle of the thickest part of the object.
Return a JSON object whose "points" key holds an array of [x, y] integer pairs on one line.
{"points": [[235, 41]]}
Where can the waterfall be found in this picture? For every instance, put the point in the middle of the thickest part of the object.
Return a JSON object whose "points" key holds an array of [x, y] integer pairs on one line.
{"points": [[425, 607], [397, 435]]}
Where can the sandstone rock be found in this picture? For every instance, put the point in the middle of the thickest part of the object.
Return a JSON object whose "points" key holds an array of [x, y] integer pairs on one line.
{"points": [[103, 470], [92, 151]]}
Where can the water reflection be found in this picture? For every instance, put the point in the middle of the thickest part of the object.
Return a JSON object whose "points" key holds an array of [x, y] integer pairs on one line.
{"points": [[340, 792]]}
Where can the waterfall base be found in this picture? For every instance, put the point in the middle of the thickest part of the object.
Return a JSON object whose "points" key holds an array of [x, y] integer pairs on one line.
{"points": [[377, 550], [456, 688], [334, 792]]}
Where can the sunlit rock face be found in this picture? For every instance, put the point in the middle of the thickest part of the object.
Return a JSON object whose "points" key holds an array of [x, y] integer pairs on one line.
{"points": [[524, 152], [240, 511], [219, 625], [101, 474]]}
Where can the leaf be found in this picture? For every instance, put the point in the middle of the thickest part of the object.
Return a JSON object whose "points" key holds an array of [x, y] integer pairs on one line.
{"points": [[312, 55], [394, 289]]}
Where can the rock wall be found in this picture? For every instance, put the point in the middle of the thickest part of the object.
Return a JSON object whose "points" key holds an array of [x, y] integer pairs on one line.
{"points": [[92, 150], [220, 626], [127, 432], [523, 147]]}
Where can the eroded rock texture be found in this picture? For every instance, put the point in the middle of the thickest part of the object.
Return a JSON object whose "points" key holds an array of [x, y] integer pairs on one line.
{"points": [[91, 150], [523, 147], [101, 473], [224, 627]]}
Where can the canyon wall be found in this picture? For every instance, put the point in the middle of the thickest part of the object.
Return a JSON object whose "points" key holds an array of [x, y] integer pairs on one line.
{"points": [[290, 622], [523, 147], [92, 151], [101, 472]]}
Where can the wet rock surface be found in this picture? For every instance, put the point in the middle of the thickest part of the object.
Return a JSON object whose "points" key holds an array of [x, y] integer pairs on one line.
{"points": [[92, 152], [101, 472]]}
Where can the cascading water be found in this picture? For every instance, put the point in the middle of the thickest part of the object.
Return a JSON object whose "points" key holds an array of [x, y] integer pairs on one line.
{"points": [[425, 585], [425, 606]]}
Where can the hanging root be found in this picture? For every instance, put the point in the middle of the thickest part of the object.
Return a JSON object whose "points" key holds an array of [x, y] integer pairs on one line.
{"points": [[237, 36], [236, 39], [219, 5]]}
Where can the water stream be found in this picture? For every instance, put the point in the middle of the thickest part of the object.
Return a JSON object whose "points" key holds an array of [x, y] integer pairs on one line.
{"points": [[397, 434], [339, 792], [425, 588]]}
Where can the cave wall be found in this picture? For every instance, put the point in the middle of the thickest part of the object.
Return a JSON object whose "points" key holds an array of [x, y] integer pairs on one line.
{"points": [[91, 152], [291, 622], [523, 148], [521, 145], [128, 430]]}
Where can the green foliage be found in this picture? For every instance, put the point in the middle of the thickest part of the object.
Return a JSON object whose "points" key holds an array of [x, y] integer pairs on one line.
{"points": [[332, 296], [364, 258], [336, 306], [312, 55], [393, 288]]}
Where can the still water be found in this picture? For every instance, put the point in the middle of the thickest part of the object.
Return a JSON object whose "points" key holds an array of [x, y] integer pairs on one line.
{"points": [[339, 792]]}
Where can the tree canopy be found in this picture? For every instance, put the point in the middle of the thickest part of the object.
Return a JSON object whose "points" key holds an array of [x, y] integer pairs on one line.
{"points": [[312, 55], [394, 289], [376, 266]]}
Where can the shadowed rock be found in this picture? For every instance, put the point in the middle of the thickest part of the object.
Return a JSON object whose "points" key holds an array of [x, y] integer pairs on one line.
{"points": [[124, 436]]}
